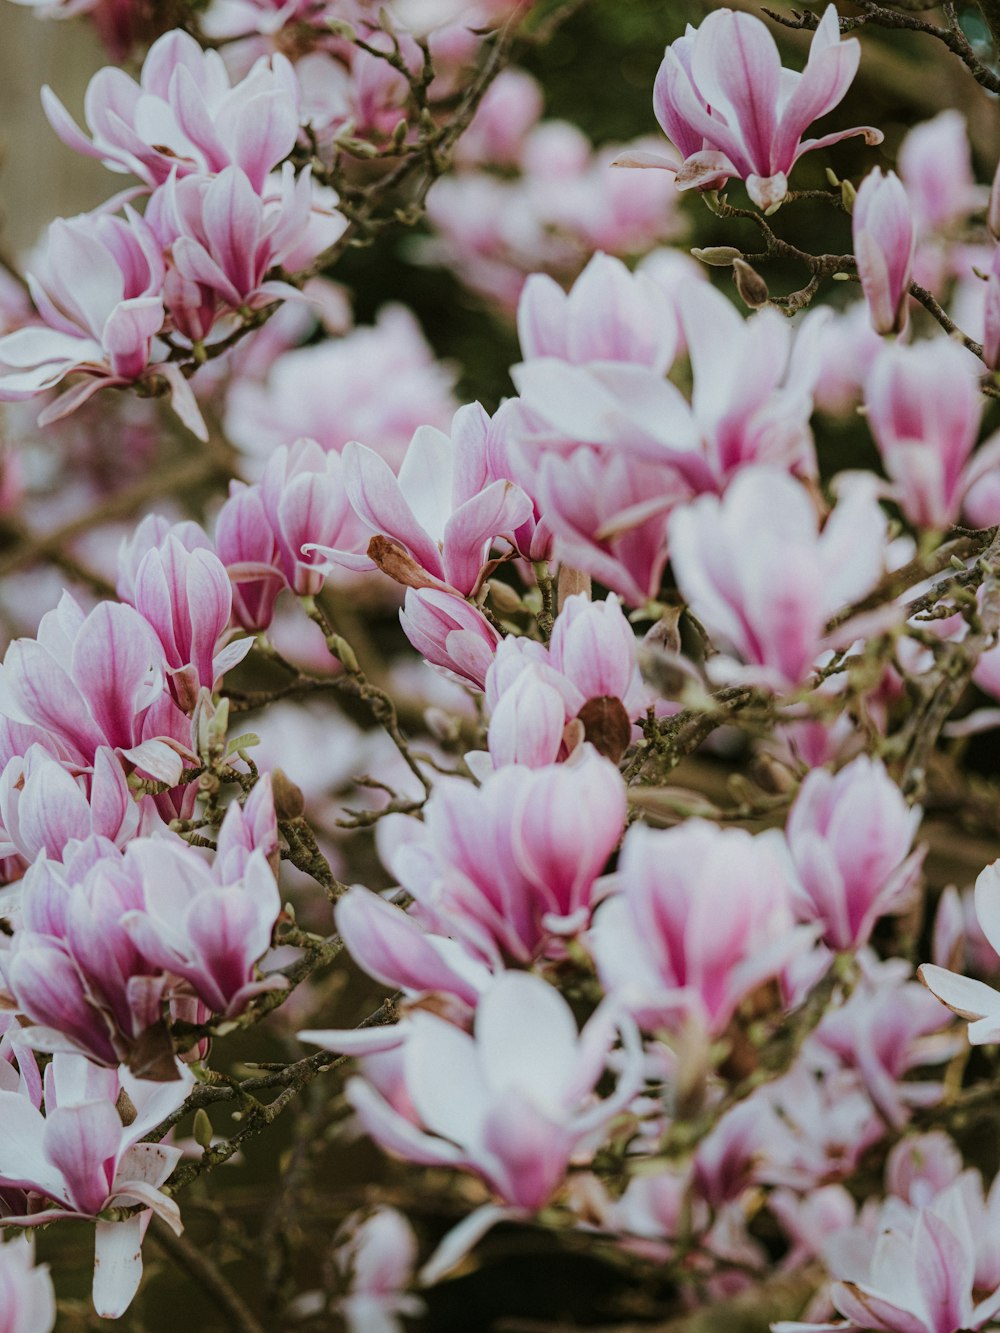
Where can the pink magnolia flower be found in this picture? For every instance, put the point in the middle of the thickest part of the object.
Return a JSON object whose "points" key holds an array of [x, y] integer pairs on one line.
{"points": [[829, 1122], [724, 100], [300, 501], [395, 949], [148, 535], [247, 546], [935, 163], [533, 691], [102, 328], [105, 938], [923, 407], [208, 926], [921, 1167], [528, 720], [94, 680], [376, 1254], [46, 806], [377, 383], [759, 575], [991, 314], [223, 238], [27, 1301], [306, 503], [594, 647], [77, 1159], [751, 398], [449, 633], [968, 998], [187, 598], [512, 1103], [434, 525], [247, 828], [886, 1028], [513, 104], [921, 1279], [885, 240], [72, 969], [510, 866], [849, 836], [701, 917], [185, 116], [608, 514], [609, 314]]}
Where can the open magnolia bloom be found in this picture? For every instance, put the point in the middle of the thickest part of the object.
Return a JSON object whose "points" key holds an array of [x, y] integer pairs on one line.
{"points": [[969, 998], [77, 1159], [729, 107], [514, 1103]]}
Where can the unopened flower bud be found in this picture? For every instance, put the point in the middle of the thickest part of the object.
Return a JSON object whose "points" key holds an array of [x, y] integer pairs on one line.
{"points": [[340, 28], [289, 802], [750, 285], [504, 599], [202, 1128], [719, 256]]}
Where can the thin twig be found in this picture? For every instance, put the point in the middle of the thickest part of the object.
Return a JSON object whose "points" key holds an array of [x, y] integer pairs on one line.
{"points": [[206, 1275]]}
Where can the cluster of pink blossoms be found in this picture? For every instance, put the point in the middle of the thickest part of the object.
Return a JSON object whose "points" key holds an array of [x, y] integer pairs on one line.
{"points": [[220, 220]]}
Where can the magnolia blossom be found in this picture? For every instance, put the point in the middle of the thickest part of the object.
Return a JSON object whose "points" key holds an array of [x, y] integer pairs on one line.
{"points": [[512, 1103], [378, 383], [449, 633], [87, 681], [77, 1159], [510, 866], [724, 100], [751, 397], [935, 163], [27, 1301], [395, 949], [920, 1278], [187, 598], [884, 242], [700, 918], [434, 525], [103, 327], [48, 805], [184, 115], [105, 939], [923, 406], [887, 1027], [377, 1254], [759, 575], [584, 685], [849, 836], [223, 238], [610, 314], [562, 207], [608, 515], [991, 314], [968, 998]]}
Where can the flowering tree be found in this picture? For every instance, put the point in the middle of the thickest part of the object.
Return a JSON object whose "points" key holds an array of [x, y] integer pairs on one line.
{"points": [[530, 838]]}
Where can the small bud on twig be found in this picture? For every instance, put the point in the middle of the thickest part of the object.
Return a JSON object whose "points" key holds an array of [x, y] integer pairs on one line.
{"points": [[719, 256], [289, 803], [750, 285]]}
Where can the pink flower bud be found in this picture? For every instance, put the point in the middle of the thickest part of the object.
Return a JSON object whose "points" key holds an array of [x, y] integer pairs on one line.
{"points": [[923, 408], [450, 633], [884, 245], [850, 837]]}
